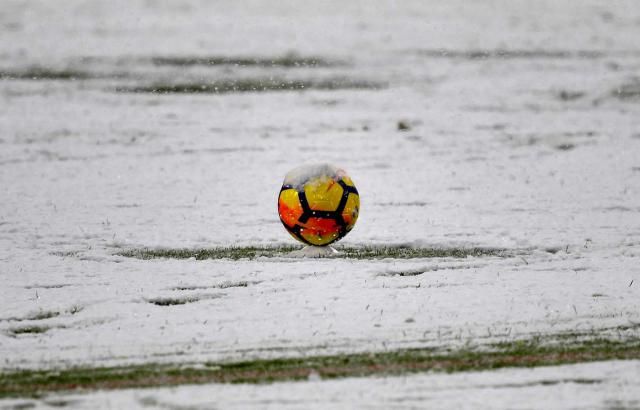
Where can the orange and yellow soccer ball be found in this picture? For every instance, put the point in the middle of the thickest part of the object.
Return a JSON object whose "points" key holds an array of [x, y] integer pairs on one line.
{"points": [[318, 204]]}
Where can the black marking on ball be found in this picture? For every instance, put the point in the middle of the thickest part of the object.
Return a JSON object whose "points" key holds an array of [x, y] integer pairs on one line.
{"points": [[306, 210], [348, 188], [345, 197]]}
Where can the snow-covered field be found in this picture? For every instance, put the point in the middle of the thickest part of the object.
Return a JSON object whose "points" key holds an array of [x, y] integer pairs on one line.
{"points": [[523, 133]]}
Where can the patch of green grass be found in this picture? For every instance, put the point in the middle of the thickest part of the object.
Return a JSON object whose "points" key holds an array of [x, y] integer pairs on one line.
{"points": [[60, 403], [576, 336], [251, 85], [182, 300], [171, 301], [346, 252], [42, 314], [504, 54], [523, 353], [566, 95], [39, 315], [65, 254], [28, 330], [288, 61], [627, 92], [565, 146], [245, 252], [44, 73], [75, 309], [223, 285], [412, 272], [408, 252]]}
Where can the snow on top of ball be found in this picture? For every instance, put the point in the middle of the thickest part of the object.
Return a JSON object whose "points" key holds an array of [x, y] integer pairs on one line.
{"points": [[299, 176]]}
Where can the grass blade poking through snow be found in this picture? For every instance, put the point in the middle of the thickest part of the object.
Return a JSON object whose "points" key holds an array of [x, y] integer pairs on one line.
{"points": [[252, 85], [346, 252]]}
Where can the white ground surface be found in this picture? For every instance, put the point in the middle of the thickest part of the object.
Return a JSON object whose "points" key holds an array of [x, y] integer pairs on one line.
{"points": [[494, 157]]}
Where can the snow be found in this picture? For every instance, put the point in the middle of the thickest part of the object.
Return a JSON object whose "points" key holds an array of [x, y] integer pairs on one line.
{"points": [[314, 252], [499, 153], [299, 176], [293, 307]]}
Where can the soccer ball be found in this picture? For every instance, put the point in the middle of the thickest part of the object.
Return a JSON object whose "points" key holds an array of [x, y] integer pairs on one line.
{"points": [[318, 204]]}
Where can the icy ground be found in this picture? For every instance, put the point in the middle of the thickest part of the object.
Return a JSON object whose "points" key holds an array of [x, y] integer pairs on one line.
{"points": [[499, 124]]}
